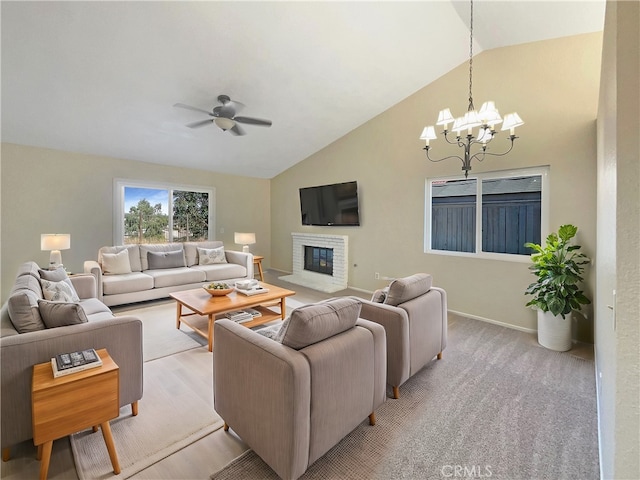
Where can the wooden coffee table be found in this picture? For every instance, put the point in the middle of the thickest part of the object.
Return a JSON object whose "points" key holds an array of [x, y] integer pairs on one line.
{"points": [[202, 304]]}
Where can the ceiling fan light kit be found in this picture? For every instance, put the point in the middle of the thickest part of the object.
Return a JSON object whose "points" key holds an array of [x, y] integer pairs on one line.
{"points": [[487, 118], [224, 116]]}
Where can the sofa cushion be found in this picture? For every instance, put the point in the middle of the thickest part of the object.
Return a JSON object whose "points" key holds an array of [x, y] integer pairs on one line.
{"points": [[221, 271], [208, 256], [62, 291], [159, 260], [171, 277], [116, 263], [380, 295], [134, 255], [313, 323], [404, 289], [61, 314], [191, 250], [93, 306], [127, 283], [160, 247], [57, 275]]}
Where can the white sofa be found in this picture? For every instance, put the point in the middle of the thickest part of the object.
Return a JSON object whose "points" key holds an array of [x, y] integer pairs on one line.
{"points": [[144, 281]]}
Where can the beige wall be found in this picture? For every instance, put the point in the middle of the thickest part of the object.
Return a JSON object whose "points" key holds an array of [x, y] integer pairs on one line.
{"points": [[50, 191], [554, 87], [617, 333]]}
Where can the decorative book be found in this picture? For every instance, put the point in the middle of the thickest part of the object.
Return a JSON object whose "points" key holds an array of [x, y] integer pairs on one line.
{"points": [[253, 291], [240, 316], [67, 363]]}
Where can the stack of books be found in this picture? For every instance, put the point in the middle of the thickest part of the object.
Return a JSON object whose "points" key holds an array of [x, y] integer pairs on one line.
{"points": [[241, 316], [253, 291], [66, 363]]}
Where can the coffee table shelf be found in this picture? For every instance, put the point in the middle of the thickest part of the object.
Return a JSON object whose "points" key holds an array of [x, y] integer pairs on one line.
{"points": [[200, 304]]}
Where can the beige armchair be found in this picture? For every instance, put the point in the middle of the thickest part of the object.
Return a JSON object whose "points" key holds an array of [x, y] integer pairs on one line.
{"points": [[414, 315], [293, 398]]}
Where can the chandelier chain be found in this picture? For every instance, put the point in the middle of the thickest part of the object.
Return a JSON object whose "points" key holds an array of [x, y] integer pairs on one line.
{"points": [[471, 107]]}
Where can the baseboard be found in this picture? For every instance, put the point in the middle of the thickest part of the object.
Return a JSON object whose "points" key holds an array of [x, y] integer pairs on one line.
{"points": [[495, 322]]}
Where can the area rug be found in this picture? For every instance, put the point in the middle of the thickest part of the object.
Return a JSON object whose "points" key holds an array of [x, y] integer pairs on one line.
{"points": [[171, 416], [161, 338], [497, 405]]}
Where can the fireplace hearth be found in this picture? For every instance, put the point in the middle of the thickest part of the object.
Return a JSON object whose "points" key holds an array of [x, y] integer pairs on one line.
{"points": [[325, 251]]}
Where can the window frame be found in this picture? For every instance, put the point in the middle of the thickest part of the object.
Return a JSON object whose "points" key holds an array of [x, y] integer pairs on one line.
{"points": [[542, 171], [119, 185]]}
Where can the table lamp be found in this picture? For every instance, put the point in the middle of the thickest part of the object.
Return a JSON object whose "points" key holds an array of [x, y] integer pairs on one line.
{"points": [[55, 242], [244, 239]]}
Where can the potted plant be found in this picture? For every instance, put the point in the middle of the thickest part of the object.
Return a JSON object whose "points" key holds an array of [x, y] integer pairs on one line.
{"points": [[558, 267]]}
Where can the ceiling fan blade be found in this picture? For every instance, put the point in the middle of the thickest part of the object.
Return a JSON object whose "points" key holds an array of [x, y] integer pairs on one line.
{"points": [[200, 123], [253, 121], [189, 107], [237, 130]]}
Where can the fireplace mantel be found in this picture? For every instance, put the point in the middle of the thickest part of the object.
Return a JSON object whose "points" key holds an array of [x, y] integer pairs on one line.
{"points": [[319, 281]]}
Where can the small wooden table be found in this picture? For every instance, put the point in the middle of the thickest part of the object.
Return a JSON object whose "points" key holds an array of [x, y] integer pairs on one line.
{"points": [[202, 303], [65, 405], [257, 260]]}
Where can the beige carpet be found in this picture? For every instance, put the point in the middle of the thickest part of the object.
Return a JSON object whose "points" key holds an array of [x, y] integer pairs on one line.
{"points": [[497, 405], [170, 417]]}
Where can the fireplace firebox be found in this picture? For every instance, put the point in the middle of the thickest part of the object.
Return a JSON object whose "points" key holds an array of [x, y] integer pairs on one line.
{"points": [[318, 259]]}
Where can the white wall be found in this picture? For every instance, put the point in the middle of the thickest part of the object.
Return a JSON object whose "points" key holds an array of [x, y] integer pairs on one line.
{"points": [[617, 332], [554, 87], [50, 191]]}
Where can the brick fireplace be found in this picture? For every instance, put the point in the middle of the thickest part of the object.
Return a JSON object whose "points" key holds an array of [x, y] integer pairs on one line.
{"points": [[320, 245]]}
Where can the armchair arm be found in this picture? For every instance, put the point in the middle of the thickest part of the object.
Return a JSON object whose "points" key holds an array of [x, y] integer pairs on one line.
{"points": [[93, 267], [85, 285], [396, 325], [121, 336], [262, 390], [241, 258]]}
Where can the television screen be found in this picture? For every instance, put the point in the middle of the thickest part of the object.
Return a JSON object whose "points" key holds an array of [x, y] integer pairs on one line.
{"points": [[330, 205]]}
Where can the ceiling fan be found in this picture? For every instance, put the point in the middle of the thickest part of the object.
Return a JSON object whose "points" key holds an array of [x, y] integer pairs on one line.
{"points": [[224, 116]]}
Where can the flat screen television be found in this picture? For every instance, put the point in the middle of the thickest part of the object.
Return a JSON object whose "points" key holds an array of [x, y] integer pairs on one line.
{"points": [[330, 205]]}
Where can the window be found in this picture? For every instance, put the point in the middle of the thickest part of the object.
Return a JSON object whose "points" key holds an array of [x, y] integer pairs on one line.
{"points": [[156, 213], [487, 215]]}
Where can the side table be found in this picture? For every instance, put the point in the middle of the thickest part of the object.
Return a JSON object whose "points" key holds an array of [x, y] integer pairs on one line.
{"points": [[257, 260], [65, 405]]}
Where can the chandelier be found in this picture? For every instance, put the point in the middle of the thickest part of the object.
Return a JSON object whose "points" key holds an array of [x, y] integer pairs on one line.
{"points": [[486, 119]]}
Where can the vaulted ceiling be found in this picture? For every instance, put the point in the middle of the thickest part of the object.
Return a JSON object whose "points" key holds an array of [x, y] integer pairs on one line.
{"points": [[102, 77]]}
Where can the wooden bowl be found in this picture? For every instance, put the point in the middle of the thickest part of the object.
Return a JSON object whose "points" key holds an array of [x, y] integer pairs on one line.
{"points": [[218, 292]]}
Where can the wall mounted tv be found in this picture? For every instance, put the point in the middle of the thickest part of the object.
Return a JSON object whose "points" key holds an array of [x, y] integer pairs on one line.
{"points": [[330, 205]]}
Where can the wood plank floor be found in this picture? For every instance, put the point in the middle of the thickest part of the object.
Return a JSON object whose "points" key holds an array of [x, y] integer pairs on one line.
{"points": [[197, 461]]}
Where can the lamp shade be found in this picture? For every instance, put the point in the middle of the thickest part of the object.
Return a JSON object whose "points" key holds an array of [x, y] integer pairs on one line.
{"points": [[511, 121], [244, 238], [55, 241], [225, 123]]}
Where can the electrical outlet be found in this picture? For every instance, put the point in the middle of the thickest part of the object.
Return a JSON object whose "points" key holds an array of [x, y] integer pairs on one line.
{"points": [[377, 276]]}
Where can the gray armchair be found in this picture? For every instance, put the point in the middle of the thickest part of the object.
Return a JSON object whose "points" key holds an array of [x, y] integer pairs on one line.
{"points": [[414, 315], [291, 401]]}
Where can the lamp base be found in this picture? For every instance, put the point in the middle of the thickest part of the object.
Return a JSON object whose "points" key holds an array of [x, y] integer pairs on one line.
{"points": [[55, 259], [245, 248]]}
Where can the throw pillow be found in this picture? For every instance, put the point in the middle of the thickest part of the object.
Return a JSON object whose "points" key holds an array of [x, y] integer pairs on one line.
{"points": [[23, 311], [270, 332], [60, 314], [56, 275], [313, 323], [116, 263], [59, 291], [380, 295], [209, 256], [405, 289], [160, 260]]}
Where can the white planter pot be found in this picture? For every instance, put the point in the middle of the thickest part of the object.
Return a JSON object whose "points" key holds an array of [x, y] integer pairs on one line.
{"points": [[554, 332]]}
